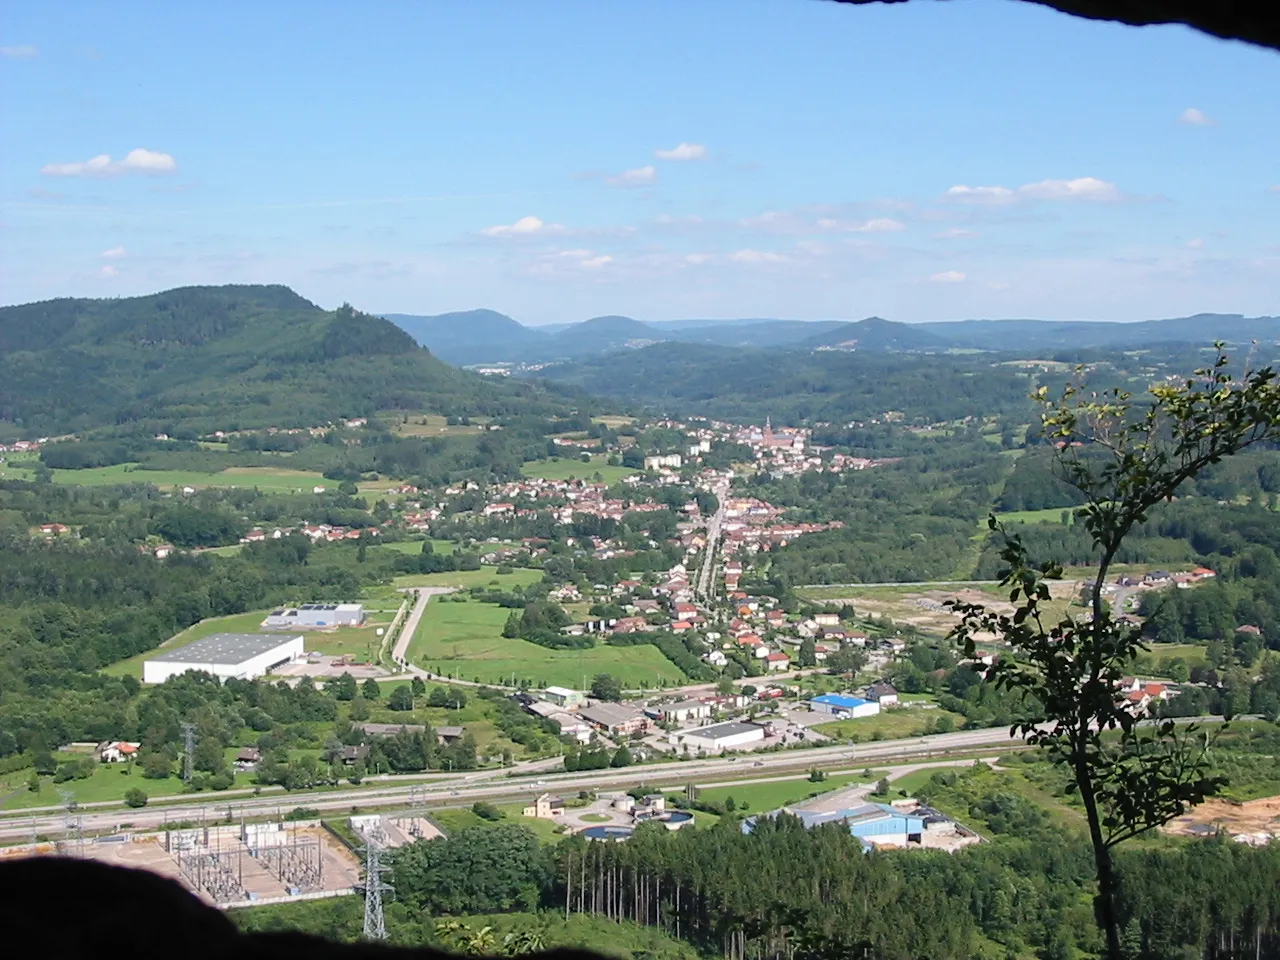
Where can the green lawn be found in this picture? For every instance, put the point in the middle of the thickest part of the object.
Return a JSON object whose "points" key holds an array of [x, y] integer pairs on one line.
{"points": [[889, 725], [913, 781], [1050, 515], [277, 479], [461, 819], [414, 547], [465, 639], [359, 641], [109, 782], [760, 797], [465, 579], [569, 468]]}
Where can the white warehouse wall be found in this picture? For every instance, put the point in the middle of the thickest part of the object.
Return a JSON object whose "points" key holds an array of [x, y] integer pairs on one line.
{"points": [[158, 671]]}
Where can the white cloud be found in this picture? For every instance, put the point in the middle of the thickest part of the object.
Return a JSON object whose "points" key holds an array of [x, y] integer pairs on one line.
{"points": [[874, 225], [757, 256], [1274, 188], [683, 151], [1194, 117], [143, 161], [1080, 188], [966, 194], [639, 177], [115, 253], [21, 52], [524, 227], [697, 259], [1195, 243], [947, 276], [955, 233], [107, 272]]}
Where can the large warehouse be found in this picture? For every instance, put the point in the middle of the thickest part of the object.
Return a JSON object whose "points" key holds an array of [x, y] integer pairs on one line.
{"points": [[240, 655], [844, 706], [717, 738], [315, 616]]}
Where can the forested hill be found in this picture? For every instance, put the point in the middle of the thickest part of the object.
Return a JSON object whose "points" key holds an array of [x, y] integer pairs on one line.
{"points": [[204, 358], [792, 386]]}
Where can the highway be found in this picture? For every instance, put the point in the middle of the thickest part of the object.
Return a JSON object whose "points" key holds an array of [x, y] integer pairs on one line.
{"points": [[497, 785]]}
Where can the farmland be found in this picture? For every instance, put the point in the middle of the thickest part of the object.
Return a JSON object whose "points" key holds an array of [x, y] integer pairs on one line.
{"points": [[274, 479], [567, 468], [465, 640]]}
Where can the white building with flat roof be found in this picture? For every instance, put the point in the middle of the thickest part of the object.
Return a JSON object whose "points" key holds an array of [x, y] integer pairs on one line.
{"points": [[717, 738], [240, 655], [315, 616]]}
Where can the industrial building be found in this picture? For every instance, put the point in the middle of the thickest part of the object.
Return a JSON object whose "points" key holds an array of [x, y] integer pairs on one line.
{"points": [[874, 824], [842, 706], [240, 655], [564, 697], [717, 738], [315, 616]]}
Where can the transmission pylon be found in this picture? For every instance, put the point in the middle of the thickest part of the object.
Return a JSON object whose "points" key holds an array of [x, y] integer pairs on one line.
{"points": [[75, 833], [188, 750], [375, 925]]}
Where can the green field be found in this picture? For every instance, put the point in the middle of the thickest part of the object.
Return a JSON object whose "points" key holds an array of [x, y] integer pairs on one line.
{"points": [[465, 640], [484, 577], [760, 797], [568, 468], [461, 819], [359, 641], [276, 479], [1051, 515], [414, 547], [109, 782], [890, 725]]}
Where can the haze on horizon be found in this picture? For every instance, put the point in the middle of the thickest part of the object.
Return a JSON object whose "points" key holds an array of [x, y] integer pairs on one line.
{"points": [[660, 160]]}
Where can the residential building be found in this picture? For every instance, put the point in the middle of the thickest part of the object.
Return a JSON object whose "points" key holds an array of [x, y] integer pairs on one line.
{"points": [[545, 807], [883, 693]]}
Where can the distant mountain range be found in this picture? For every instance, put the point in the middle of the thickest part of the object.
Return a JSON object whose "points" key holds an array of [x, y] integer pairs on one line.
{"points": [[475, 337]]}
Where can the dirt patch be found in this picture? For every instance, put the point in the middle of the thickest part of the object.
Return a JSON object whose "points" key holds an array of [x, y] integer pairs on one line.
{"points": [[1253, 817]]}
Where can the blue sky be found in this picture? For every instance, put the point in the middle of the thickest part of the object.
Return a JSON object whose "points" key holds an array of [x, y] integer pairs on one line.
{"points": [[559, 160]]}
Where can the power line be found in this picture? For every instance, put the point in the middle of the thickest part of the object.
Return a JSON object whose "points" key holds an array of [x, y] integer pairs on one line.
{"points": [[375, 925], [188, 751]]}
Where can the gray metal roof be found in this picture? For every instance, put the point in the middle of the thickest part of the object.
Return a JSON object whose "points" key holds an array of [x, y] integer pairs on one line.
{"points": [[718, 730], [224, 648]]}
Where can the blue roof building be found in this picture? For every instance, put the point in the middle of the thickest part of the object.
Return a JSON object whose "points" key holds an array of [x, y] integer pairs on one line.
{"points": [[875, 824], [844, 705]]}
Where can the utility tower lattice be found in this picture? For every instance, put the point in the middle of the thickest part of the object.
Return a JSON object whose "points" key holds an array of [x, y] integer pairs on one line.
{"points": [[375, 926], [75, 833], [188, 750]]}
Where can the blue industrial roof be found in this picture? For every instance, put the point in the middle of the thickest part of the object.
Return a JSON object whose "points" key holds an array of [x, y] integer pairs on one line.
{"points": [[867, 819], [840, 700]]}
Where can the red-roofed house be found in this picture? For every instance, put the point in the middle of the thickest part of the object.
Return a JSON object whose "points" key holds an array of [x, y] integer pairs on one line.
{"points": [[778, 661]]}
